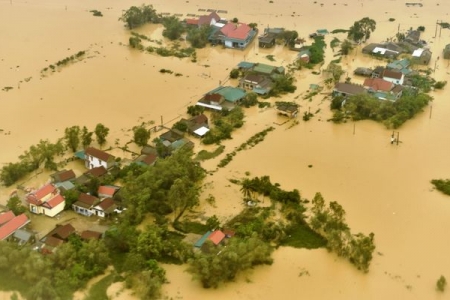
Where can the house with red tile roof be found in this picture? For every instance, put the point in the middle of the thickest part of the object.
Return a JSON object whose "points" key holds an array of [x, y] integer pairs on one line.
{"points": [[107, 191], [63, 175], [382, 89], [8, 229], [216, 237], [46, 200], [378, 85], [94, 157], [235, 35]]}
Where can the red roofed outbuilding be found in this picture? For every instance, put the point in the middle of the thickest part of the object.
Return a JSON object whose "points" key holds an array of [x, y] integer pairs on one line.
{"points": [[12, 225]]}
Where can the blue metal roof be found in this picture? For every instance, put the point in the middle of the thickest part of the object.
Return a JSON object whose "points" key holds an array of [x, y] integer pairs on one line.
{"points": [[245, 65], [202, 240], [80, 154]]}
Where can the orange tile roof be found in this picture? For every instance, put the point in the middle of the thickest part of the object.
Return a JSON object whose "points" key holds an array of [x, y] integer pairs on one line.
{"points": [[238, 31], [216, 237], [55, 201], [106, 190], [12, 225], [6, 217], [44, 191], [378, 84]]}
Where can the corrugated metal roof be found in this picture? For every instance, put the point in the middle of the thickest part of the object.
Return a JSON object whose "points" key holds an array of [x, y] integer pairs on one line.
{"points": [[202, 240], [231, 94], [245, 65]]}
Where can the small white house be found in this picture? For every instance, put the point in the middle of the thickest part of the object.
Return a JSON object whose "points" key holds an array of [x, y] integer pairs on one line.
{"points": [[395, 77], [97, 158]]}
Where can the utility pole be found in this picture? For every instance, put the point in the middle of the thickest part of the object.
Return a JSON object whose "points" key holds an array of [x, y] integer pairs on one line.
{"points": [[398, 136], [440, 30], [431, 108], [435, 64], [435, 32]]}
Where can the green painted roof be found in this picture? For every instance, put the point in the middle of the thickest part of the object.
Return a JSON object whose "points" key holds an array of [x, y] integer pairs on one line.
{"points": [[264, 69], [230, 94]]}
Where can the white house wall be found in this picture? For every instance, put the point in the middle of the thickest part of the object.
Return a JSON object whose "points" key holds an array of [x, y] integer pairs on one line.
{"points": [[93, 162], [55, 210]]}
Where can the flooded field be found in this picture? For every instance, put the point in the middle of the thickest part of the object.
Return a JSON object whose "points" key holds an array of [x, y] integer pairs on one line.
{"points": [[384, 188]]}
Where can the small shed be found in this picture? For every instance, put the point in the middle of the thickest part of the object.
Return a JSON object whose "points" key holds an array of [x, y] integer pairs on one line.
{"points": [[363, 72], [289, 109]]}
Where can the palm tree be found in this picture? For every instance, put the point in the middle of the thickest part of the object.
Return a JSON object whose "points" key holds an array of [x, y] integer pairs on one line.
{"points": [[247, 188]]}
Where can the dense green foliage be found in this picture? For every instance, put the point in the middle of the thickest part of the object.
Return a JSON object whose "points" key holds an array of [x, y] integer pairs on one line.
{"points": [[222, 263], [442, 185], [169, 186], [251, 99], [15, 205], [330, 223], [86, 137], [42, 154], [317, 50], [72, 137], [283, 84], [195, 110], [224, 123], [101, 132], [335, 71], [361, 30], [234, 73], [392, 114], [441, 284], [55, 276], [137, 16], [289, 37], [173, 28], [198, 36], [141, 135]]}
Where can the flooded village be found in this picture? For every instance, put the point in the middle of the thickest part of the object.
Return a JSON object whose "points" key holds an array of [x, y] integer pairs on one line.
{"points": [[252, 105]]}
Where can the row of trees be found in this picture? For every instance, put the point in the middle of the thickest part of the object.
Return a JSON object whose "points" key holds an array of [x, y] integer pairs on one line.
{"points": [[75, 136], [330, 223], [44, 153]]}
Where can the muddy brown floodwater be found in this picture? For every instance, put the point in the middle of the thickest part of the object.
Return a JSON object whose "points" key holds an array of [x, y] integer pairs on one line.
{"points": [[384, 188]]}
